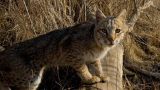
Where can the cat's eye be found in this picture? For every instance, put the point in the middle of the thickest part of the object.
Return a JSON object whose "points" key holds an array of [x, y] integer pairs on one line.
{"points": [[117, 30], [103, 30]]}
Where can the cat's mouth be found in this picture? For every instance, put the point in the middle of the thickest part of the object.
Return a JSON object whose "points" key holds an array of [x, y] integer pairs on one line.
{"points": [[110, 42]]}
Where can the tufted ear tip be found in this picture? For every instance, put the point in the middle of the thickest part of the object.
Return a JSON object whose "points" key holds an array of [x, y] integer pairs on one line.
{"points": [[99, 15]]}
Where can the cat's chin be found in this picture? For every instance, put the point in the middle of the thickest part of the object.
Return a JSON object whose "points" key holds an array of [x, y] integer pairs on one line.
{"points": [[110, 44]]}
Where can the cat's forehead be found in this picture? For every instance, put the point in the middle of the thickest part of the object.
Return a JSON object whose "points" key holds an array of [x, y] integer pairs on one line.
{"points": [[110, 22]]}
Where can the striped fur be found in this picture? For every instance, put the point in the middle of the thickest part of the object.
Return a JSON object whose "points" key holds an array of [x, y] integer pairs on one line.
{"points": [[22, 65]]}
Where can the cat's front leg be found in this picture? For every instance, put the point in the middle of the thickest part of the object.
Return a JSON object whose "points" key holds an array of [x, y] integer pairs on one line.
{"points": [[98, 71], [85, 75]]}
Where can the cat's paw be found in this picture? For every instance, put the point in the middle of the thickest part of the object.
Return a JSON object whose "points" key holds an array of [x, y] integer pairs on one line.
{"points": [[93, 80], [104, 79]]}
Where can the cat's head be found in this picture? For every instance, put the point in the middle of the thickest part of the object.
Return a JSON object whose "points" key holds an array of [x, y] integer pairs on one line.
{"points": [[109, 31]]}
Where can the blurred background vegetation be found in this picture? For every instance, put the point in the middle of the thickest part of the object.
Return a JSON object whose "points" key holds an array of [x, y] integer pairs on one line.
{"points": [[24, 19]]}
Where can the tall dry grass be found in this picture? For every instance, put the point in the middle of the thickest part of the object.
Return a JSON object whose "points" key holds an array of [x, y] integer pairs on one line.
{"points": [[24, 19]]}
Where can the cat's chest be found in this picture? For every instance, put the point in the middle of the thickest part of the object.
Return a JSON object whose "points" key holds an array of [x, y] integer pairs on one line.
{"points": [[95, 55]]}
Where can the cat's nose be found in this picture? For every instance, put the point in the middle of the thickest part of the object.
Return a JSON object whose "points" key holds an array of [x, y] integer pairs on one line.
{"points": [[111, 42], [113, 36]]}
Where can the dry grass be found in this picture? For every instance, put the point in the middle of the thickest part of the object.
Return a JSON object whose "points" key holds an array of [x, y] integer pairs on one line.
{"points": [[22, 20]]}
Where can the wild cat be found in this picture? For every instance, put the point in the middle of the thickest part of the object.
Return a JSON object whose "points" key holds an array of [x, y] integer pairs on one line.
{"points": [[22, 65]]}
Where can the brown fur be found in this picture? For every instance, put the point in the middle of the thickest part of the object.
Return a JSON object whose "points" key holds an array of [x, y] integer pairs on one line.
{"points": [[22, 65]]}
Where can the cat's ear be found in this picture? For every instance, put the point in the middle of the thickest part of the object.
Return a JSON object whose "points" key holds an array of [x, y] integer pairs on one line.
{"points": [[99, 15], [122, 16]]}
